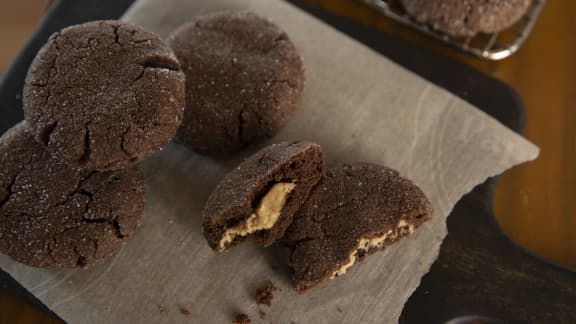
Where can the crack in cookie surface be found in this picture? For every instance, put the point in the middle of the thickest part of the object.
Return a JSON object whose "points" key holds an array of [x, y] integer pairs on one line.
{"points": [[53, 215]]}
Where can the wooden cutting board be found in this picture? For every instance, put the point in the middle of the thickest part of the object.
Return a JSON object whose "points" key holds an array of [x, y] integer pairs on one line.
{"points": [[479, 271]]}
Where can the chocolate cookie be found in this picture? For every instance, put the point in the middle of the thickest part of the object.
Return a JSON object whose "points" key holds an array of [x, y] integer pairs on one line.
{"points": [[355, 210], [104, 95], [244, 80], [467, 17], [56, 217], [258, 198]]}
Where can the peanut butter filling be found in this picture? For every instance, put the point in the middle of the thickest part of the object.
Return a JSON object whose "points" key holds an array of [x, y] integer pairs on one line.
{"points": [[264, 216], [367, 244]]}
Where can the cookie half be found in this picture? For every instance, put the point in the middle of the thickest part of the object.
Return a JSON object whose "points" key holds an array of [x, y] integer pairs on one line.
{"points": [[467, 17], [244, 80], [56, 217], [356, 209], [259, 197], [104, 95]]}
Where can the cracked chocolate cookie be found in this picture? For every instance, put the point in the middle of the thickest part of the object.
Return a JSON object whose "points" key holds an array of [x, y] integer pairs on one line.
{"points": [[57, 217], [104, 95], [467, 17], [355, 210], [258, 198], [244, 80]]}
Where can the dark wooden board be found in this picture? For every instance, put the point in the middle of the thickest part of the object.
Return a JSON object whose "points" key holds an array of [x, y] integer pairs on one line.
{"points": [[479, 271]]}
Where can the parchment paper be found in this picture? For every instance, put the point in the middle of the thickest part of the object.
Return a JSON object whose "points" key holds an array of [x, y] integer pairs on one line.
{"points": [[358, 106]]}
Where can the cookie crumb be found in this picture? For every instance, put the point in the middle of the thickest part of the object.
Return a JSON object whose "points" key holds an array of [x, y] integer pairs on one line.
{"points": [[242, 319], [262, 314], [339, 309], [184, 311], [265, 295], [161, 310]]}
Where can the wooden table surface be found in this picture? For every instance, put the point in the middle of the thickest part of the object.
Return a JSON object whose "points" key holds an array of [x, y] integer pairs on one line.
{"points": [[535, 203]]}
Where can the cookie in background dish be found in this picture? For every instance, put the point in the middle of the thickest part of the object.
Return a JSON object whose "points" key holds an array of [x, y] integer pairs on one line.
{"points": [[467, 17]]}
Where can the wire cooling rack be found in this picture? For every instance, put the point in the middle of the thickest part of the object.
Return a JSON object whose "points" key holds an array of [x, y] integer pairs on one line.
{"points": [[494, 46]]}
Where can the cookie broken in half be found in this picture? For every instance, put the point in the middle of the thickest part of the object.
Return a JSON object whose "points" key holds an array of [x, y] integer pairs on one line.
{"points": [[355, 210], [258, 198]]}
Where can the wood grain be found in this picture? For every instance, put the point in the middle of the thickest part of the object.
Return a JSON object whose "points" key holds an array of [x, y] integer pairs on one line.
{"points": [[535, 203], [17, 21], [14, 311], [480, 272]]}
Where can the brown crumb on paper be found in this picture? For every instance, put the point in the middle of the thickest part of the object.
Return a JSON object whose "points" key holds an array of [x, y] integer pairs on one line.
{"points": [[265, 295], [339, 309], [262, 314], [184, 311], [242, 319]]}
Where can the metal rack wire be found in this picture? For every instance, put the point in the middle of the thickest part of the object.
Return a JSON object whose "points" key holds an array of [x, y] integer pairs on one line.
{"points": [[494, 46]]}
